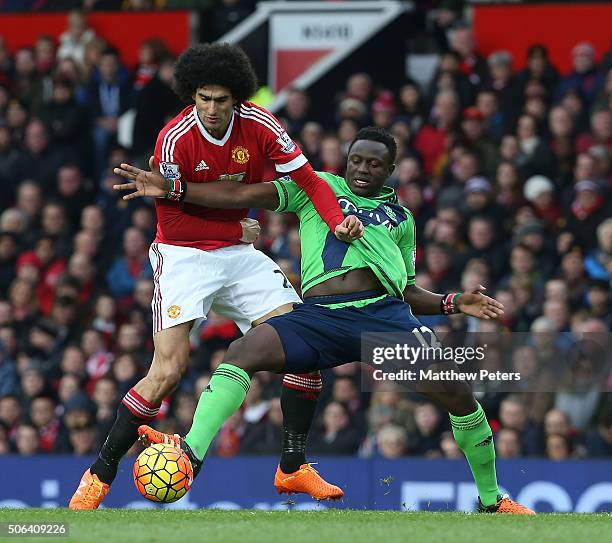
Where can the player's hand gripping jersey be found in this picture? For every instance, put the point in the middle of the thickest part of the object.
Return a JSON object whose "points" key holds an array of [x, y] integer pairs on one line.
{"points": [[387, 246], [255, 148]]}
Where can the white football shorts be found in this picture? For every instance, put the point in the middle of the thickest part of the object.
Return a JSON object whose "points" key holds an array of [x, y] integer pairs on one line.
{"points": [[237, 282]]}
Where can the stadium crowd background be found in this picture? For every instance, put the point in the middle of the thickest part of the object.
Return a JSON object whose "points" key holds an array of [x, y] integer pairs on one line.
{"points": [[507, 174]]}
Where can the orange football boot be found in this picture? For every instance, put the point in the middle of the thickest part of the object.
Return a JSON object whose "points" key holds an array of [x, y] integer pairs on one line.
{"points": [[306, 480], [90, 493], [505, 505], [149, 436]]}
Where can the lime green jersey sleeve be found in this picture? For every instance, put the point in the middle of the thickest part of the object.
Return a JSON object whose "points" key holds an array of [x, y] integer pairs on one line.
{"points": [[291, 197], [407, 246]]}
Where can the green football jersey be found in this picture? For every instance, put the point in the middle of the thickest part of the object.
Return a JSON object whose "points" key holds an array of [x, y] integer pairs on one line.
{"points": [[388, 246]]}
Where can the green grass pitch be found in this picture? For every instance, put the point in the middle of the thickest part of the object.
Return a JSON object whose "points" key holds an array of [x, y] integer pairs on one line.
{"points": [[212, 526]]}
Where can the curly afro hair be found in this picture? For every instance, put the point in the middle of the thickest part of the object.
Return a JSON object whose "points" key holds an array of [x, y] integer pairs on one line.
{"points": [[214, 64]]}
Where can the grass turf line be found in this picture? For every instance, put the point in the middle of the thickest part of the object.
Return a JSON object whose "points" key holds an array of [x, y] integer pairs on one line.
{"points": [[212, 526]]}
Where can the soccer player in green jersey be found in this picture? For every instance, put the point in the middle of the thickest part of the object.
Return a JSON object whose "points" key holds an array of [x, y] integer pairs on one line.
{"points": [[348, 289]]}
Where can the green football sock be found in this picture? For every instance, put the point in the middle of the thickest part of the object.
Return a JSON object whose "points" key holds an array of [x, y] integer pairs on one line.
{"points": [[219, 400], [475, 438]]}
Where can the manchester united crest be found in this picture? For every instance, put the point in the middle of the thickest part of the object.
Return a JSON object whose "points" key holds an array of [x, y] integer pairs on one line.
{"points": [[174, 311], [240, 154]]}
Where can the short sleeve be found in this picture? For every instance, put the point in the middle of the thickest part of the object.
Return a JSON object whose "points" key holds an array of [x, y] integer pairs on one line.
{"points": [[276, 143], [291, 197], [407, 246], [168, 157]]}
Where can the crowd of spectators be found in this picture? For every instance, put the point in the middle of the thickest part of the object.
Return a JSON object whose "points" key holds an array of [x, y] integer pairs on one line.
{"points": [[506, 172]]}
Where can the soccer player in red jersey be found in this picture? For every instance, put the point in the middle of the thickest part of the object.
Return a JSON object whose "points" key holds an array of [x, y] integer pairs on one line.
{"points": [[201, 264]]}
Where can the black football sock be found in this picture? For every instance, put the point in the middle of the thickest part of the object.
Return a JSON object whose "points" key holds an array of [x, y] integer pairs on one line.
{"points": [[299, 397], [133, 411]]}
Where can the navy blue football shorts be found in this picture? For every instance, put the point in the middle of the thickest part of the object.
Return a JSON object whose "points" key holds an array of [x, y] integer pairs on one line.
{"points": [[315, 337]]}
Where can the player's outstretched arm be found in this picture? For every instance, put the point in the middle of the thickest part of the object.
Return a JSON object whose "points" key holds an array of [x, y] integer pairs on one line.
{"points": [[221, 194], [230, 194], [324, 200], [474, 303]]}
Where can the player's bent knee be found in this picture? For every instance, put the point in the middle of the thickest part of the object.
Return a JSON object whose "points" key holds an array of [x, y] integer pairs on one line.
{"points": [[167, 371], [234, 353], [172, 377], [258, 350], [238, 355], [464, 405], [459, 404], [165, 379]]}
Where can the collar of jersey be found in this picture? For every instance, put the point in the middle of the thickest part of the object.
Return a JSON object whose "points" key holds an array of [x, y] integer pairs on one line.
{"points": [[208, 136], [387, 194]]}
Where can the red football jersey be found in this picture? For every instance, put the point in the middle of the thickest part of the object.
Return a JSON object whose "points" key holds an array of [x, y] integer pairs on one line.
{"points": [[255, 148]]}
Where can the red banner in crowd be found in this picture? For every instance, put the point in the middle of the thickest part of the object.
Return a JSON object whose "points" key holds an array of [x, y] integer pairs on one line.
{"points": [[124, 31], [558, 26]]}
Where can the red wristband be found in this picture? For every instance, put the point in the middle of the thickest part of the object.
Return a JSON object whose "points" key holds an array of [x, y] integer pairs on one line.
{"points": [[448, 303], [177, 190]]}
